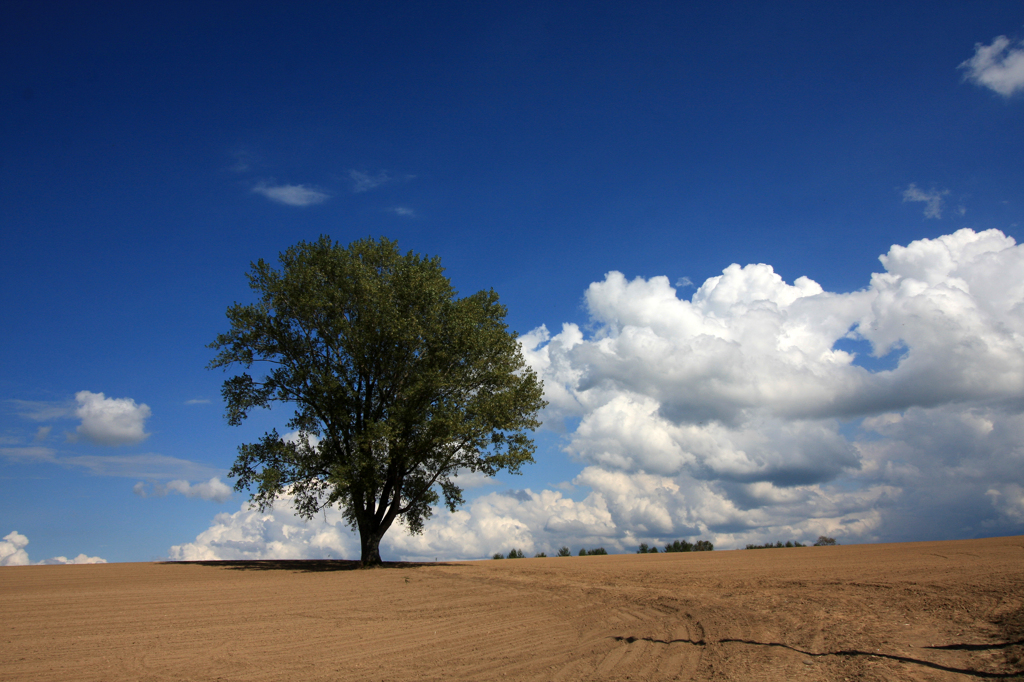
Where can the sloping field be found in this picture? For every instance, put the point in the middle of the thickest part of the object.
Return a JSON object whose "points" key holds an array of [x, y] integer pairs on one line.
{"points": [[921, 611]]}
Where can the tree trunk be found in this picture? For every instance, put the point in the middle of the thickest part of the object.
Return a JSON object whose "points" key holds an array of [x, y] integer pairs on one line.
{"points": [[370, 549]]}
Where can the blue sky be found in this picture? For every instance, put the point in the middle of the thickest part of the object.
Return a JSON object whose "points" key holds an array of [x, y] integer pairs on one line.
{"points": [[148, 155]]}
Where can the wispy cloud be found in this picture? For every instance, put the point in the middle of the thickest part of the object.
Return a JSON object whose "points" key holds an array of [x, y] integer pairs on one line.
{"points": [[933, 201], [149, 466], [402, 211], [41, 411], [213, 490], [291, 195], [364, 182], [198, 401], [998, 66]]}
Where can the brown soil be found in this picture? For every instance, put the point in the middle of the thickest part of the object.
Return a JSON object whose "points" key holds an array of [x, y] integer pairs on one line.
{"points": [[920, 611]]}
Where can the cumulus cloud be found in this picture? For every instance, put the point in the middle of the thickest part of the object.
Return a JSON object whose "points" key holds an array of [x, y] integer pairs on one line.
{"points": [[12, 550], [732, 415], [111, 421], [933, 200], [742, 385], [12, 553], [213, 490], [274, 534], [291, 195], [998, 66]]}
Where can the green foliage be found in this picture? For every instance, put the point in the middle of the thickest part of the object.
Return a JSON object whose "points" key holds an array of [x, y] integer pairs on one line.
{"points": [[684, 546], [583, 552], [824, 541], [653, 549], [498, 555], [778, 544], [593, 552], [397, 385], [644, 549], [540, 555], [515, 554], [564, 551]]}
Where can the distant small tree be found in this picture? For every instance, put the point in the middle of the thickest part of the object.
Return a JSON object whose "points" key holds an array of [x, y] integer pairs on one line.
{"points": [[679, 546], [515, 554], [583, 552], [703, 546], [596, 552], [540, 555], [498, 555], [564, 551], [825, 541], [643, 548], [653, 549]]}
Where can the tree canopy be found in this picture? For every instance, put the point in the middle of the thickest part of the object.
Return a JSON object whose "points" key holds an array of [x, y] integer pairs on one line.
{"points": [[397, 384]]}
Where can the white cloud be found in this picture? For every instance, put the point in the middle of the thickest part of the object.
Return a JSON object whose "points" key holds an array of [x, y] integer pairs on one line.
{"points": [[12, 553], [198, 401], [402, 212], [291, 195], [12, 550], [364, 182], [732, 416], [213, 490], [742, 384], [998, 66], [933, 201], [274, 534], [111, 421]]}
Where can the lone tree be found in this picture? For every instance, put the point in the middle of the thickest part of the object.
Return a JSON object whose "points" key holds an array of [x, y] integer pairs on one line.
{"points": [[398, 385]]}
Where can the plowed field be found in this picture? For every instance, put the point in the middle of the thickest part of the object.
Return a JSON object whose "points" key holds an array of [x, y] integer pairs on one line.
{"points": [[918, 611]]}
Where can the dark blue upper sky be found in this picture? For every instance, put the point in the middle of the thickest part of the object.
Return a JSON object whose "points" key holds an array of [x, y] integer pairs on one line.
{"points": [[533, 146]]}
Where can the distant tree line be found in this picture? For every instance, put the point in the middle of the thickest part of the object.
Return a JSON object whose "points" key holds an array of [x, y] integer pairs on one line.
{"points": [[675, 546], [562, 551], [768, 545], [678, 546], [823, 541]]}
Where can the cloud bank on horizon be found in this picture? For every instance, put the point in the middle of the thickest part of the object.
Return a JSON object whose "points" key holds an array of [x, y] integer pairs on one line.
{"points": [[12, 553], [755, 410]]}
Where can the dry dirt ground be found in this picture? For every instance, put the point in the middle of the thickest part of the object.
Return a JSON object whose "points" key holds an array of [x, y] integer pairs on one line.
{"points": [[920, 611]]}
